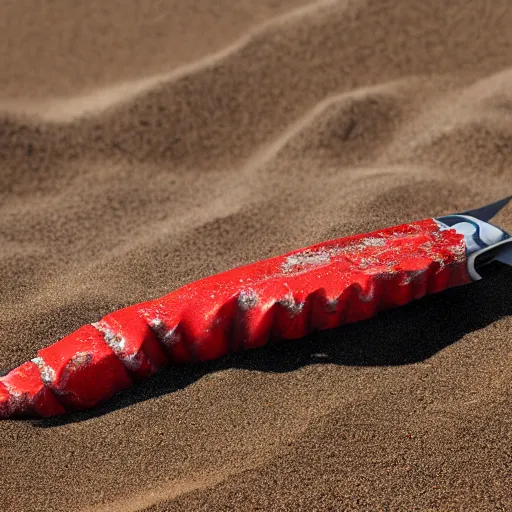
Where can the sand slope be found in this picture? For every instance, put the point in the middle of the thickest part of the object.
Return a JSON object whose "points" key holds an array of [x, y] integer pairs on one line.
{"points": [[145, 147]]}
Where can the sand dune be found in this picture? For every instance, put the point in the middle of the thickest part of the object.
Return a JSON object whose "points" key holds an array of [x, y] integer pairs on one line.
{"points": [[66, 109], [145, 147]]}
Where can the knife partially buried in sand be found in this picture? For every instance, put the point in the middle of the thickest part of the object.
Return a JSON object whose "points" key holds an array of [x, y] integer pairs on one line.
{"points": [[286, 297]]}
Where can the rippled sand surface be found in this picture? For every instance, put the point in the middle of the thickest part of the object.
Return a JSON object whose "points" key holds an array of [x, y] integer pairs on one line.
{"points": [[146, 145]]}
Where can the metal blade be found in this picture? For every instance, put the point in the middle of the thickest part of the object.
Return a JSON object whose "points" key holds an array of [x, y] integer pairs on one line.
{"points": [[486, 213]]}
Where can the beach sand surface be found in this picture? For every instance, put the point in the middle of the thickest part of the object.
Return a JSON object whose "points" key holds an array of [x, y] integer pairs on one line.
{"points": [[144, 145]]}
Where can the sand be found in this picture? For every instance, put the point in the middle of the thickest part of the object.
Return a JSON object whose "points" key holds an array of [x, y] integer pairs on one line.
{"points": [[146, 145]]}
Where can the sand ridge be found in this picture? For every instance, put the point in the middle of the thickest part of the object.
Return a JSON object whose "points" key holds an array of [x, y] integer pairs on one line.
{"points": [[142, 148]]}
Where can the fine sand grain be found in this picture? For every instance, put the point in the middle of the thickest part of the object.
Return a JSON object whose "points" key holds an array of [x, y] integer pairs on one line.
{"points": [[144, 145]]}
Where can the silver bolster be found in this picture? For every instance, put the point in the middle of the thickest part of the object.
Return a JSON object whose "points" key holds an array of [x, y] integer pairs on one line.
{"points": [[480, 237]]}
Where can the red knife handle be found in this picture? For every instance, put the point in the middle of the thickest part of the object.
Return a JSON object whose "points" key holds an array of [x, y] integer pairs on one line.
{"points": [[285, 297]]}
